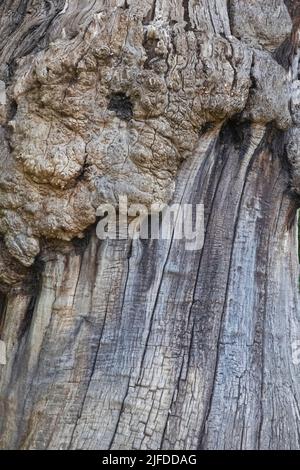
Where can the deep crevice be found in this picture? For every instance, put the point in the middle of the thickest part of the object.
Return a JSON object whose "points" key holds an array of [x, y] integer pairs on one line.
{"points": [[186, 15], [150, 15], [238, 132], [3, 302], [12, 110], [25, 324], [149, 45], [207, 127], [81, 244]]}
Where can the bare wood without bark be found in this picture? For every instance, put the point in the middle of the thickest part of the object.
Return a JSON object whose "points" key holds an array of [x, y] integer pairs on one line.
{"points": [[143, 344]]}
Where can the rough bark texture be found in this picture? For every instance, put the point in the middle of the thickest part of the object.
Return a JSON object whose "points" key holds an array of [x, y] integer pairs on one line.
{"points": [[145, 345]]}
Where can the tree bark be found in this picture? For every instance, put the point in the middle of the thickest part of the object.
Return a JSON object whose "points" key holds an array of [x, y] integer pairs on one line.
{"points": [[143, 344]]}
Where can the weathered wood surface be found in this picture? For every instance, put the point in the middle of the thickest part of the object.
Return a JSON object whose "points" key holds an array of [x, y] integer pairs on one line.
{"points": [[143, 344]]}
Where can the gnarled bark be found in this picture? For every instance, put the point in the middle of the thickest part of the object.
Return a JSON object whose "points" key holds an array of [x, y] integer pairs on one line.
{"points": [[123, 344]]}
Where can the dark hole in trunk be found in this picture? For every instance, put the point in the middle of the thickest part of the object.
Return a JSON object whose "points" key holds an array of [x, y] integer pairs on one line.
{"points": [[121, 105]]}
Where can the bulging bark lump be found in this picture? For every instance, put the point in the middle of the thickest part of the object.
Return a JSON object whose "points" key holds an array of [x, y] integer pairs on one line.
{"points": [[71, 144]]}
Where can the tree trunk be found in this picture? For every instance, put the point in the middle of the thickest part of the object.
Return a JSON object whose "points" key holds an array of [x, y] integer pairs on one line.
{"points": [[142, 344]]}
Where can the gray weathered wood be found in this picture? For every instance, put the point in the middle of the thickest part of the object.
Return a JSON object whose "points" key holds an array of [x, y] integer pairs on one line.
{"points": [[145, 345]]}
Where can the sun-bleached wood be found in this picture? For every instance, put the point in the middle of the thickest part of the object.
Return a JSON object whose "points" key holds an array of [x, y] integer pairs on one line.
{"points": [[124, 344]]}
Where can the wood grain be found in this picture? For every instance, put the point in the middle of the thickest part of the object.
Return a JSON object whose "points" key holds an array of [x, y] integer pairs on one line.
{"points": [[124, 344]]}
